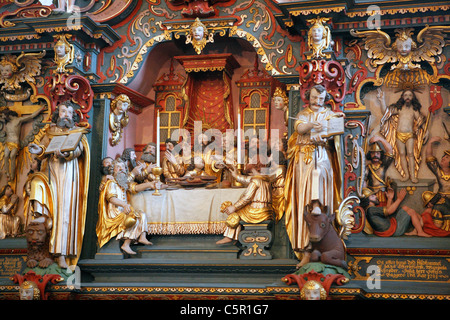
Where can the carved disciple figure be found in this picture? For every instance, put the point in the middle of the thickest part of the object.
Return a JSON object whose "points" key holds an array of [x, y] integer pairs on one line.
{"points": [[404, 127], [172, 163], [281, 102], [319, 38], [253, 206], [312, 162], [9, 222], [118, 118], [69, 180], [116, 216]]}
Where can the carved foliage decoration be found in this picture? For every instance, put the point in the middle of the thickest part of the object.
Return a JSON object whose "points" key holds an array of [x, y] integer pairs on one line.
{"points": [[39, 281], [62, 87], [330, 74], [252, 22]]}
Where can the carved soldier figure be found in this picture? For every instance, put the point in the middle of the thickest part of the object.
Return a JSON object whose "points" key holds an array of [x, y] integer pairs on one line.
{"points": [[391, 220], [436, 217], [379, 162], [441, 169]]}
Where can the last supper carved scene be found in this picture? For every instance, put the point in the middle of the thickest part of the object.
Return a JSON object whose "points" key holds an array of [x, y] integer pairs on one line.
{"points": [[224, 149]]}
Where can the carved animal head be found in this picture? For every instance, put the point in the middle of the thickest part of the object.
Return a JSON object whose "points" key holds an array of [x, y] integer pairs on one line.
{"points": [[318, 225], [318, 221]]}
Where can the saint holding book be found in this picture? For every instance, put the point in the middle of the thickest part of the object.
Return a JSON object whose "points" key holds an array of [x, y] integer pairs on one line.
{"points": [[68, 176], [314, 171]]}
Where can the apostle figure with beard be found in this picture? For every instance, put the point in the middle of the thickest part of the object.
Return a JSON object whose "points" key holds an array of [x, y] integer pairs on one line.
{"points": [[117, 218], [149, 159], [68, 181], [314, 169], [129, 157], [106, 170], [172, 163], [138, 171], [149, 153]]}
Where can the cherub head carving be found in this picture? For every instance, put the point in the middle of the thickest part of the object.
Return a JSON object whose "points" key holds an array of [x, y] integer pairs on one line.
{"points": [[313, 290], [14, 71], [319, 37], [198, 36], [281, 102], [404, 42], [8, 67], [404, 53], [64, 52]]}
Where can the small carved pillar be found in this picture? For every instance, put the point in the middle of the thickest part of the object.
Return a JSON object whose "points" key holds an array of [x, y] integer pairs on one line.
{"points": [[256, 240]]}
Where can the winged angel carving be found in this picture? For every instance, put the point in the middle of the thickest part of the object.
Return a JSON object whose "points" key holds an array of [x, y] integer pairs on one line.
{"points": [[16, 70], [404, 52]]}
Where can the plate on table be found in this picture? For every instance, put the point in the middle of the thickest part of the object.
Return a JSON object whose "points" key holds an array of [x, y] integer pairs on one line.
{"points": [[186, 184]]}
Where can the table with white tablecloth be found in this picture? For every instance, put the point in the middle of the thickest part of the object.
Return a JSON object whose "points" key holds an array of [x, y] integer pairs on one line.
{"points": [[185, 211]]}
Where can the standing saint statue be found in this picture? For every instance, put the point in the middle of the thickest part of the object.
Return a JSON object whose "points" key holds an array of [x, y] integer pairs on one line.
{"points": [[314, 170], [405, 129], [69, 182]]}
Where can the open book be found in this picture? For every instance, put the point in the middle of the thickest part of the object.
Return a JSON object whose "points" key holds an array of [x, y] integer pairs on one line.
{"points": [[330, 127], [64, 143]]}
